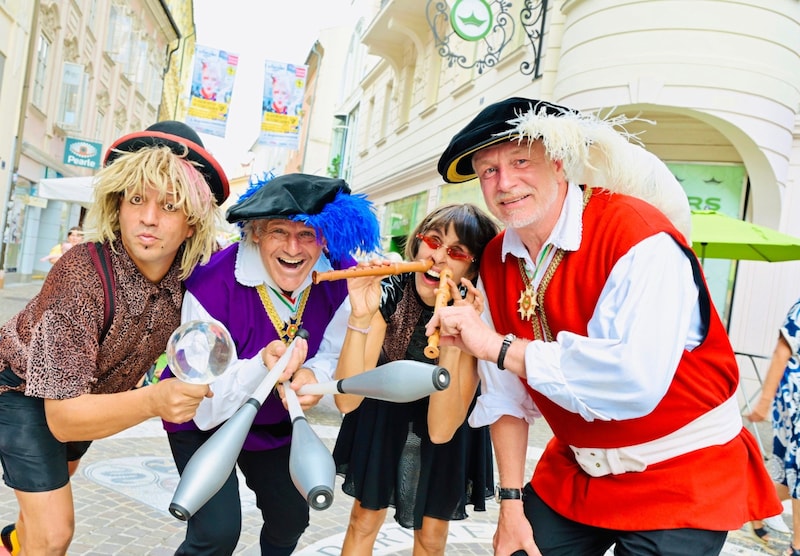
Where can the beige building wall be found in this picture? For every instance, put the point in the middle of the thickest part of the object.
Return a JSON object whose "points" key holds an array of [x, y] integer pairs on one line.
{"points": [[720, 78], [15, 28], [118, 52]]}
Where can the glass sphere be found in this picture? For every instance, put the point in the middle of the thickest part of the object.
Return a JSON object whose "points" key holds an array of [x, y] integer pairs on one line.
{"points": [[199, 351]]}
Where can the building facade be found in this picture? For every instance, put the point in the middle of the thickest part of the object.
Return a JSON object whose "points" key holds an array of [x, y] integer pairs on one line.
{"points": [[16, 20], [324, 91], [715, 85], [93, 71]]}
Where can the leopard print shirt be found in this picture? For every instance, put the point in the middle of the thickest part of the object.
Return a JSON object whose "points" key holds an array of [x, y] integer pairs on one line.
{"points": [[53, 343]]}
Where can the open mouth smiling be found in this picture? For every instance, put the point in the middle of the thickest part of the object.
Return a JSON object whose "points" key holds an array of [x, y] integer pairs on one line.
{"points": [[291, 263], [514, 200], [432, 276]]}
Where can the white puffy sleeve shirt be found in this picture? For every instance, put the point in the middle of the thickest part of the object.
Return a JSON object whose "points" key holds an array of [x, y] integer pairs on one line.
{"points": [[647, 314]]}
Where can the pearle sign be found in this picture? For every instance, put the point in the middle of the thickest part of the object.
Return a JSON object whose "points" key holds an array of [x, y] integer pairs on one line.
{"points": [[79, 152]]}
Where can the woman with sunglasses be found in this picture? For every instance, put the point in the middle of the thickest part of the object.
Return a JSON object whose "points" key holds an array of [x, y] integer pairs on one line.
{"points": [[421, 457]]}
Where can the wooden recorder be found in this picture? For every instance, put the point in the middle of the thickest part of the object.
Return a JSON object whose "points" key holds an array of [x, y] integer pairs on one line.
{"points": [[431, 351], [374, 270]]}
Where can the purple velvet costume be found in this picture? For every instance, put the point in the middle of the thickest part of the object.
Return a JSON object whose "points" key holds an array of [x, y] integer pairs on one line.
{"points": [[240, 309]]}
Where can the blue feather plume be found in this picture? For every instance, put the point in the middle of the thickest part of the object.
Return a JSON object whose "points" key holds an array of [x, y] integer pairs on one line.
{"points": [[348, 224]]}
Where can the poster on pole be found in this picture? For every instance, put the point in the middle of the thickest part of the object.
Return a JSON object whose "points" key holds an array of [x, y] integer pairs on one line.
{"points": [[212, 85], [282, 104]]}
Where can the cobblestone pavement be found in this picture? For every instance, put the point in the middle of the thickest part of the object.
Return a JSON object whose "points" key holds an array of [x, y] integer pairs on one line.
{"points": [[125, 483]]}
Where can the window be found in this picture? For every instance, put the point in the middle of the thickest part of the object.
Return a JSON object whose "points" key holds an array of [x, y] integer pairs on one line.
{"points": [[42, 59], [91, 13], [137, 61], [118, 43], [73, 84], [99, 123], [355, 66], [370, 132], [156, 85], [349, 144], [387, 106], [2, 64]]}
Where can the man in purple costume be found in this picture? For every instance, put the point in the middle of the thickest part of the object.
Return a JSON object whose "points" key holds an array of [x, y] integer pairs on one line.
{"points": [[261, 290]]}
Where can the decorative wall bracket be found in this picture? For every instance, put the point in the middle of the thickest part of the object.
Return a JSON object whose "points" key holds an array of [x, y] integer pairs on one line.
{"points": [[500, 27], [532, 18]]}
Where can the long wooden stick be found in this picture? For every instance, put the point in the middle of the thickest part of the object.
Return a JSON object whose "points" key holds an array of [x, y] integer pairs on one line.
{"points": [[431, 351], [375, 270]]}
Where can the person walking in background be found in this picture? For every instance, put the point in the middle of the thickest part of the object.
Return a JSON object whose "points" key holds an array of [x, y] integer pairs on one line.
{"points": [[261, 290], [779, 399], [599, 317], [416, 456], [74, 237], [66, 370]]}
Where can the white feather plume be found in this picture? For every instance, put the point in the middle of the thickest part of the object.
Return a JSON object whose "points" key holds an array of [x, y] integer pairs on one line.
{"points": [[599, 152]]}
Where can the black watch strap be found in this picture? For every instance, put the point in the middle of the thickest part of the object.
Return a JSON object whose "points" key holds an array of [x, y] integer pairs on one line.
{"points": [[507, 339], [501, 494]]}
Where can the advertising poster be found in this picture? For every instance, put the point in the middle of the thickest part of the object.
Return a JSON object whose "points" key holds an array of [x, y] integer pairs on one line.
{"points": [[284, 86], [212, 85]]}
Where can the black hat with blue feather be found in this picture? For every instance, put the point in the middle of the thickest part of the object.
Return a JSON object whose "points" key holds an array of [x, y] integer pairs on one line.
{"points": [[346, 221]]}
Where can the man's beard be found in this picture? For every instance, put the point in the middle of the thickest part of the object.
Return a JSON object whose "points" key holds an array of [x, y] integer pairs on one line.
{"points": [[543, 201]]}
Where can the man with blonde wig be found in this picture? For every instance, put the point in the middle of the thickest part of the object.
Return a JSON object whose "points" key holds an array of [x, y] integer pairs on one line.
{"points": [[598, 317], [69, 361]]}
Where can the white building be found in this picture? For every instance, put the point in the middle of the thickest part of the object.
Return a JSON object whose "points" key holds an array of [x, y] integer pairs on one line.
{"points": [[721, 79]]}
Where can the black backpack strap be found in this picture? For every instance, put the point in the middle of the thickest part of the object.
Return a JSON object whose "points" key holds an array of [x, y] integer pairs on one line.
{"points": [[101, 258]]}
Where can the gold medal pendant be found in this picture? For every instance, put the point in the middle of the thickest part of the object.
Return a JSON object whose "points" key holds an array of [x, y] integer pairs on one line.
{"points": [[288, 329], [527, 303]]}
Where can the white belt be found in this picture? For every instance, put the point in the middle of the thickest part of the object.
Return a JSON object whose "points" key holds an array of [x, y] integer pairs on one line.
{"points": [[718, 426]]}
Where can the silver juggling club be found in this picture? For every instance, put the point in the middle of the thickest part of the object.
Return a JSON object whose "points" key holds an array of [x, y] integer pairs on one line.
{"points": [[210, 466], [311, 465], [397, 381]]}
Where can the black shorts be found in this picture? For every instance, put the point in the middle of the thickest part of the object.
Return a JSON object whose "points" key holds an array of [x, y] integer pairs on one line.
{"points": [[33, 460]]}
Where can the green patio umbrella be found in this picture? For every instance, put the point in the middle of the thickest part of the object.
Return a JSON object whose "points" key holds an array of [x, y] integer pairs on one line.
{"points": [[717, 236]]}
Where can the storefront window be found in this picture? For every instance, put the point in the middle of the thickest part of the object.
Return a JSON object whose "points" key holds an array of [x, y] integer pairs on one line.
{"points": [[718, 187], [399, 219]]}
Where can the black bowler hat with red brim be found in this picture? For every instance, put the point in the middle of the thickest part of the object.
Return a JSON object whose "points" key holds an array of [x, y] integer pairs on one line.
{"points": [[492, 125], [180, 138]]}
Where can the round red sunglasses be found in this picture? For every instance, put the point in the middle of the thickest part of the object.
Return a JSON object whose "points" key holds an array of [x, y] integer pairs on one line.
{"points": [[454, 253]]}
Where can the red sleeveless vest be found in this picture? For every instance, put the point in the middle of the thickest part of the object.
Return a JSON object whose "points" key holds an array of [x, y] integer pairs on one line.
{"points": [[717, 488]]}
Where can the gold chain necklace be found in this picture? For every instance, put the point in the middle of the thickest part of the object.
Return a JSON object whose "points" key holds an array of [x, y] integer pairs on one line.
{"points": [[286, 329], [527, 299], [541, 332], [531, 300]]}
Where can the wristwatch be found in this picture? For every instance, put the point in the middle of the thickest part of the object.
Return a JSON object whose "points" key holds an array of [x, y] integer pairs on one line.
{"points": [[501, 494], [507, 339]]}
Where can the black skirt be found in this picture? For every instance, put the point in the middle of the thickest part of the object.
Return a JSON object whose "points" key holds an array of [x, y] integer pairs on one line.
{"points": [[386, 457]]}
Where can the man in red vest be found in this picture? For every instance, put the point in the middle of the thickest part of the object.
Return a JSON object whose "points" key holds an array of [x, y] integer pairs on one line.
{"points": [[599, 318]]}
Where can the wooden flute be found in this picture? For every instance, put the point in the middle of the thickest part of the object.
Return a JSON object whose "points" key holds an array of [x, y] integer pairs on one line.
{"points": [[431, 351], [375, 270]]}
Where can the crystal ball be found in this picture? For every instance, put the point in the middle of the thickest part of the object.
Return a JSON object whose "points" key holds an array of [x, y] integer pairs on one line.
{"points": [[199, 351]]}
